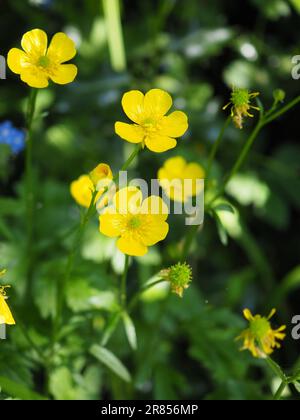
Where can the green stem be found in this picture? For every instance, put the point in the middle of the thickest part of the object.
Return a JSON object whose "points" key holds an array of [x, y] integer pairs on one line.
{"points": [[280, 391], [216, 146], [31, 343], [123, 291], [264, 120], [29, 190]]}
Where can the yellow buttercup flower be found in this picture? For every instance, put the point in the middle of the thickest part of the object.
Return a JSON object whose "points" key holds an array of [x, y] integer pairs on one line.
{"points": [[101, 173], [138, 224], [152, 127], [179, 179], [5, 313], [260, 338], [38, 63], [240, 102]]}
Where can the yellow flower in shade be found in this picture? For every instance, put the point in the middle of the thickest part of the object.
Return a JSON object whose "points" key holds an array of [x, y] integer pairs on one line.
{"points": [[240, 105], [38, 63], [83, 188], [138, 224], [260, 338], [151, 128], [5, 313], [181, 180]]}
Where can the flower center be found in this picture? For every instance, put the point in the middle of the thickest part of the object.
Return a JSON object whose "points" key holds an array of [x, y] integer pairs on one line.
{"points": [[43, 61], [134, 222], [260, 327], [150, 125]]}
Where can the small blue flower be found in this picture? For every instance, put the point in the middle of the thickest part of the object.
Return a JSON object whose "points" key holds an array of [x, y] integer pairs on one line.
{"points": [[12, 136]]}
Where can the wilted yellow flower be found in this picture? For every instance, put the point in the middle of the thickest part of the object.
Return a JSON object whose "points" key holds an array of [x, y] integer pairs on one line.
{"points": [[138, 224], [241, 104], [5, 313], [38, 63], [180, 180], [260, 339], [151, 126], [180, 277]]}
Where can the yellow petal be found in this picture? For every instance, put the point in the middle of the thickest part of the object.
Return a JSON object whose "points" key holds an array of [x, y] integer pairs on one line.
{"points": [[61, 49], [157, 103], [130, 132], [131, 246], [154, 205], [81, 191], [248, 315], [128, 200], [102, 173], [160, 144], [65, 73], [133, 105], [111, 224], [35, 78], [35, 43], [5, 313], [17, 60], [174, 125], [156, 231]]}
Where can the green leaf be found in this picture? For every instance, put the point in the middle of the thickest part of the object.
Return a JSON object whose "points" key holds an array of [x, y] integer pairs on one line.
{"points": [[62, 385], [111, 362], [110, 327], [130, 330], [17, 390]]}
